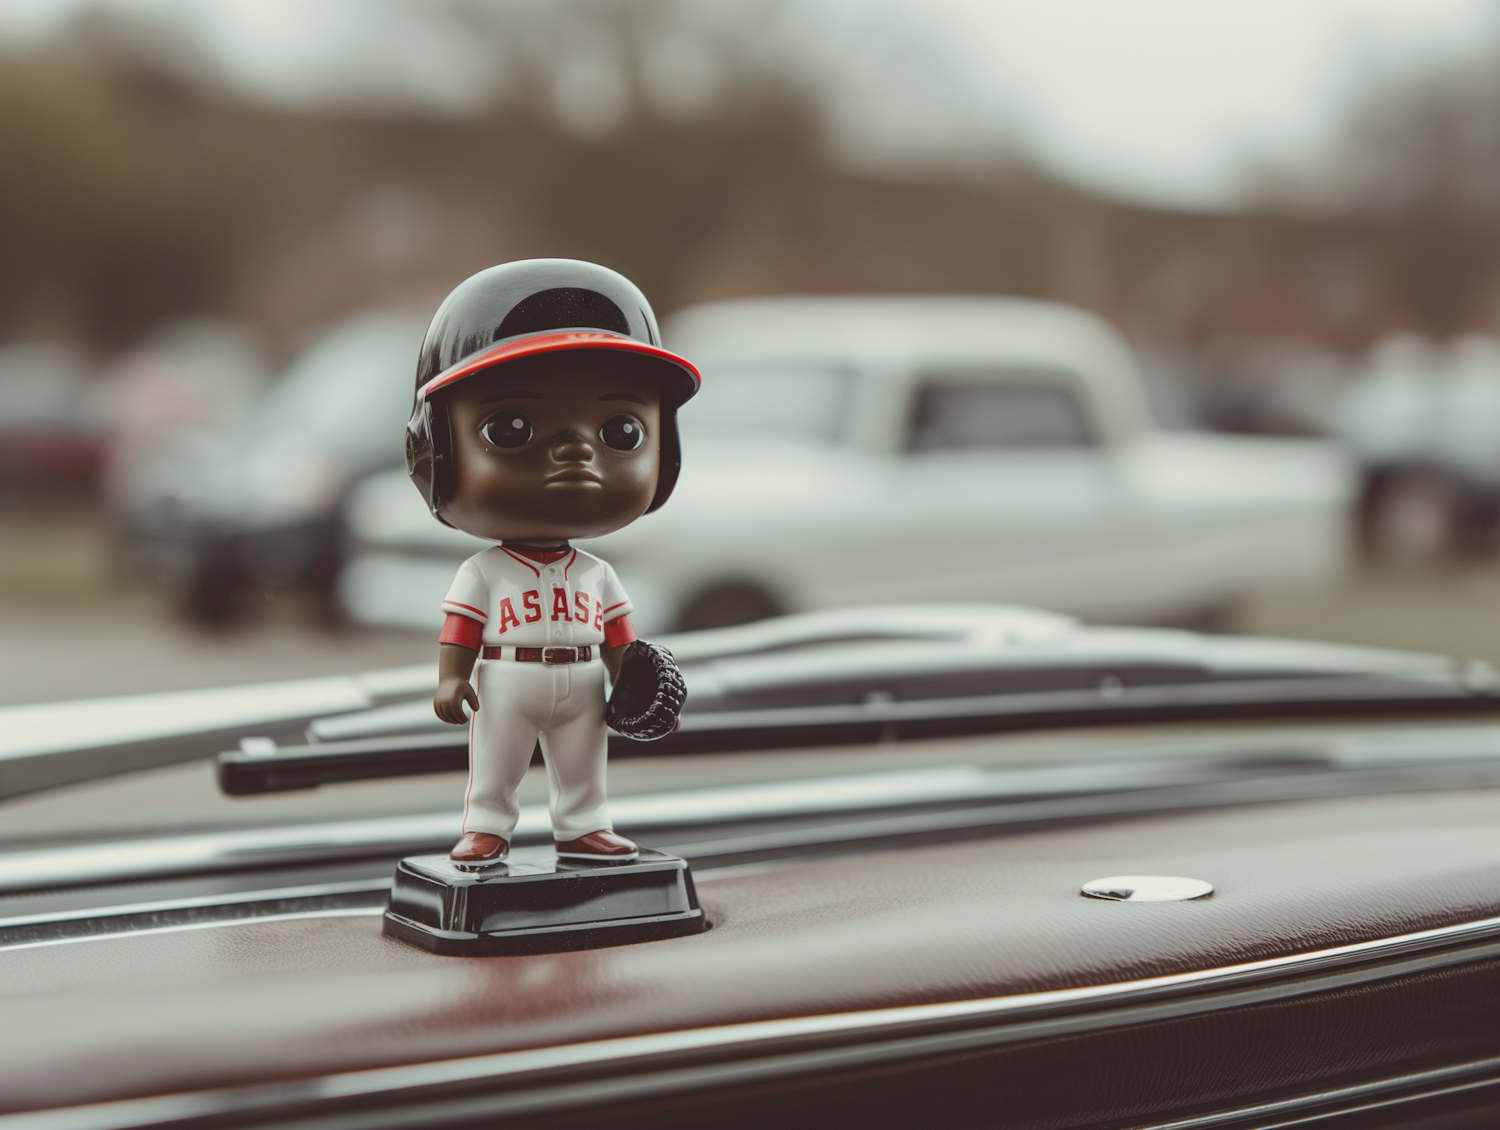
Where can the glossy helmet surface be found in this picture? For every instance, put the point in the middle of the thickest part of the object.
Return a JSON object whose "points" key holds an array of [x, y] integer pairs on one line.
{"points": [[531, 308]]}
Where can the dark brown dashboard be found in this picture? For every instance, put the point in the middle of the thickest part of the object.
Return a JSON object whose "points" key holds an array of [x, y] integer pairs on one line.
{"points": [[1006, 986]]}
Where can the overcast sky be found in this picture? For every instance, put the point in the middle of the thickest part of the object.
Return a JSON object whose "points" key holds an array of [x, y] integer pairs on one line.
{"points": [[1170, 101]]}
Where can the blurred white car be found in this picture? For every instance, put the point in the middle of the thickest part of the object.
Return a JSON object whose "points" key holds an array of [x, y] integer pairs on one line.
{"points": [[869, 450]]}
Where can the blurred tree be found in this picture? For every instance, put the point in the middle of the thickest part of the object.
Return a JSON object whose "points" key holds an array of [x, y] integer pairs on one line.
{"points": [[76, 177], [706, 150], [1421, 157], [648, 135]]}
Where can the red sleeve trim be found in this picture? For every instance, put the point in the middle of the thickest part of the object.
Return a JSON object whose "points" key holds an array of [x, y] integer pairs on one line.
{"points": [[483, 616], [462, 630], [619, 632], [612, 607]]}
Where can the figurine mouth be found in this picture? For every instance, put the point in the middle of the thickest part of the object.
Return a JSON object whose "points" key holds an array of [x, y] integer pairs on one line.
{"points": [[574, 479]]}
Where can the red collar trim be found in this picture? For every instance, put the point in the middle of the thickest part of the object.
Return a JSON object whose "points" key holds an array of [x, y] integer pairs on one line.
{"points": [[545, 556]]}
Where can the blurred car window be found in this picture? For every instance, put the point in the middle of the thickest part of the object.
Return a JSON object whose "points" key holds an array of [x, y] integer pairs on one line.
{"points": [[352, 388], [798, 402], [968, 412]]}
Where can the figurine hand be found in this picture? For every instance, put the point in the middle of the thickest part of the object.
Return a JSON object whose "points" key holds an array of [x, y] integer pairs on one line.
{"points": [[449, 701]]}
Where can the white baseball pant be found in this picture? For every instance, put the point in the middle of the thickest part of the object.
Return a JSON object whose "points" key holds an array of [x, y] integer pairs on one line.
{"points": [[561, 703]]}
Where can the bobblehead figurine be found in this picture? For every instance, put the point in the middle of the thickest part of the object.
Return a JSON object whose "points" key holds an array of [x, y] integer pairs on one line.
{"points": [[546, 411]]}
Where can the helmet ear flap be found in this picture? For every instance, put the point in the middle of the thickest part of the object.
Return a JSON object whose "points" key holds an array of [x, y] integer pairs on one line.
{"points": [[429, 454], [670, 465]]}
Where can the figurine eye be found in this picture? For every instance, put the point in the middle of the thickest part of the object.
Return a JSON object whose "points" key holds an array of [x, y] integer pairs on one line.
{"points": [[623, 433], [509, 429]]}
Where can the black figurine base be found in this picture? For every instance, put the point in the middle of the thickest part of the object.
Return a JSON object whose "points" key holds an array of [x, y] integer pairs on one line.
{"points": [[535, 902]]}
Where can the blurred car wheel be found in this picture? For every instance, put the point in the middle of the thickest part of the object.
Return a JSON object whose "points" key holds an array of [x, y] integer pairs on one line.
{"points": [[322, 580], [217, 591], [1411, 517]]}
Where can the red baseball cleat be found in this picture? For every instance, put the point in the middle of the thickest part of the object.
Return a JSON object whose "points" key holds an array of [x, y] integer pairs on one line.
{"points": [[477, 849], [604, 845]]}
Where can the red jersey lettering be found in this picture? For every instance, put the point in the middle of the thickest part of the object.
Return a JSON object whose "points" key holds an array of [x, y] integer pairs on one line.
{"points": [[531, 601], [508, 618], [581, 602], [560, 604], [599, 615]]}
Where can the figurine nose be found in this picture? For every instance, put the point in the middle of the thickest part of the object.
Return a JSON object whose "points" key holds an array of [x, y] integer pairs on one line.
{"points": [[571, 447]]}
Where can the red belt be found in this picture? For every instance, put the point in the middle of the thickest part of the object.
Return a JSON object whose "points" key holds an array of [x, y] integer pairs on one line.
{"points": [[544, 654]]}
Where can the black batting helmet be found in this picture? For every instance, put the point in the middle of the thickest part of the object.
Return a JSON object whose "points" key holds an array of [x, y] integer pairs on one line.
{"points": [[531, 308]]}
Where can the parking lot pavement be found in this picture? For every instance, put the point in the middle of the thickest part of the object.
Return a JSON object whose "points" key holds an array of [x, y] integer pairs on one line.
{"points": [[1454, 610], [74, 623], [53, 656]]}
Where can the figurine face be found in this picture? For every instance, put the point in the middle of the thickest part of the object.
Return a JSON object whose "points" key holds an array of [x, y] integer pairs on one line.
{"points": [[543, 457]]}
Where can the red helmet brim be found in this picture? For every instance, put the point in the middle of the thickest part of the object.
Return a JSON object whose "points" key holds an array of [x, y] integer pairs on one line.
{"points": [[557, 341]]}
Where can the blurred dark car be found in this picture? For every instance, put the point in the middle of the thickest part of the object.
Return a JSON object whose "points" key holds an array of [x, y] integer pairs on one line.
{"points": [[222, 516], [1423, 422], [53, 433]]}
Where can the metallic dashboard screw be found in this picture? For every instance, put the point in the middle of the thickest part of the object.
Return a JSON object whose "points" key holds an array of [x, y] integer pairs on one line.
{"points": [[1147, 888]]}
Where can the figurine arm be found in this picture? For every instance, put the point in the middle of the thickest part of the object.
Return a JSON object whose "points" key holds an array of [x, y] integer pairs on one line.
{"points": [[612, 657], [619, 633], [455, 665]]}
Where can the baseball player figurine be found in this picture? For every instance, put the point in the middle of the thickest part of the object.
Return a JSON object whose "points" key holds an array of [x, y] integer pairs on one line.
{"points": [[546, 411]]}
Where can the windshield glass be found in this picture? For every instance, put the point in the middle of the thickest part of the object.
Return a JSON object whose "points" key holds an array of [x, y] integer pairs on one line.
{"points": [[946, 274]]}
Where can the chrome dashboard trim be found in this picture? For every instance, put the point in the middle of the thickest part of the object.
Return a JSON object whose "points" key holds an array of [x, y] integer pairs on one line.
{"points": [[1344, 1101], [212, 924], [198, 902], [795, 1044], [123, 860]]}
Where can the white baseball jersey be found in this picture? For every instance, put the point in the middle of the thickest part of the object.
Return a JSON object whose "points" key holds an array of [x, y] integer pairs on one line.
{"points": [[524, 603]]}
